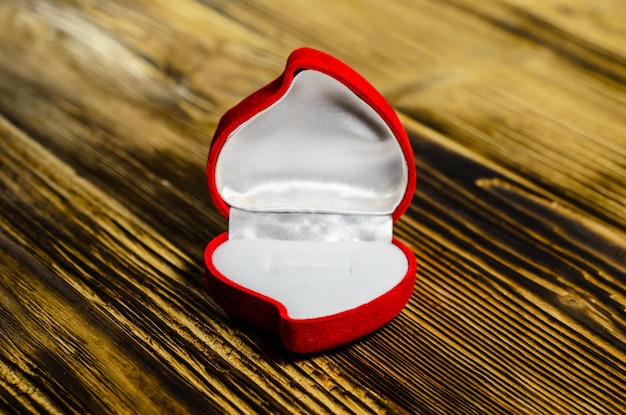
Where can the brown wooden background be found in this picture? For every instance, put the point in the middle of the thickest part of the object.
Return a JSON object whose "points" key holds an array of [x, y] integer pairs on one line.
{"points": [[517, 114]]}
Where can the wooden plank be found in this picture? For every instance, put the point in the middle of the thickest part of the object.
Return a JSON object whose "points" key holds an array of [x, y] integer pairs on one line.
{"points": [[516, 118], [543, 117], [169, 331]]}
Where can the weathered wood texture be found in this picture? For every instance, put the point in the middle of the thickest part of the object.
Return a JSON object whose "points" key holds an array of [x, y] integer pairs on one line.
{"points": [[517, 114]]}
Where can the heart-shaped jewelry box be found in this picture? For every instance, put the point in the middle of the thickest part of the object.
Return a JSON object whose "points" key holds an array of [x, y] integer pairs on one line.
{"points": [[311, 171]]}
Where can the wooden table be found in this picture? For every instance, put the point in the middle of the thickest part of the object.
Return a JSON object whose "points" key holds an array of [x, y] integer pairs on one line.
{"points": [[516, 111]]}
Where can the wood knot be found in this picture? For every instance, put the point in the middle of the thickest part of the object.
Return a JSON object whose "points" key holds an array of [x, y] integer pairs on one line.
{"points": [[572, 302]]}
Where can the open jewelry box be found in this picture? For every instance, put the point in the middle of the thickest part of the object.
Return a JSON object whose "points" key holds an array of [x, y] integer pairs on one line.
{"points": [[311, 171]]}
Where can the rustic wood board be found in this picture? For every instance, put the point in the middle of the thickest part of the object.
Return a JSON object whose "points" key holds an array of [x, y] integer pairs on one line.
{"points": [[516, 112]]}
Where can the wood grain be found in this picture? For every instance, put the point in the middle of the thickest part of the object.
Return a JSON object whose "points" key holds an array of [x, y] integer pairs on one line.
{"points": [[515, 110]]}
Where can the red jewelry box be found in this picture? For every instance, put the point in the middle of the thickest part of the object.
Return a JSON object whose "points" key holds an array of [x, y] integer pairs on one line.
{"points": [[312, 171]]}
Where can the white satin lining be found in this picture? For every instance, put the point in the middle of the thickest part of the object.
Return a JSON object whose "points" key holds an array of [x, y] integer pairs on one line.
{"points": [[309, 226], [313, 279], [312, 183], [320, 148]]}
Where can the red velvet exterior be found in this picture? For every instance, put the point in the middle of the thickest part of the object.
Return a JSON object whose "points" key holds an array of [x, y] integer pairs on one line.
{"points": [[308, 335]]}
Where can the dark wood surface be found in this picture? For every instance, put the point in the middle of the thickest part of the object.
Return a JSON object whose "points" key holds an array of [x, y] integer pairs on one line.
{"points": [[516, 111]]}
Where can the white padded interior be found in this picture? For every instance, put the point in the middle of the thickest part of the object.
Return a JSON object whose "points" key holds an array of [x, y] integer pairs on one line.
{"points": [[320, 148], [312, 278], [312, 183]]}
